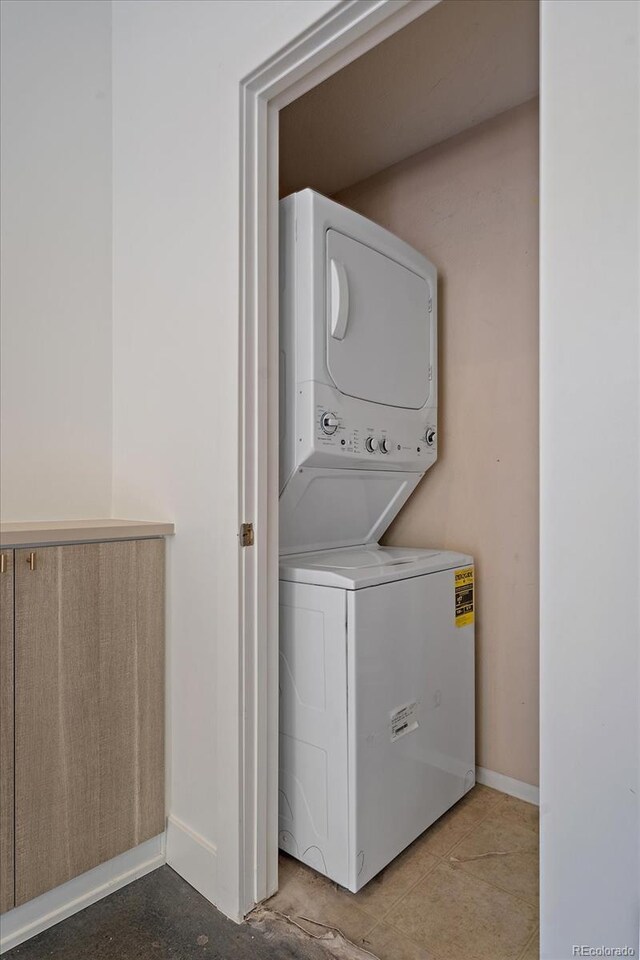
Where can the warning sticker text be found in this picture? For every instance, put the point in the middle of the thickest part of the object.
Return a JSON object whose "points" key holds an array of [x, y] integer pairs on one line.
{"points": [[464, 596]]}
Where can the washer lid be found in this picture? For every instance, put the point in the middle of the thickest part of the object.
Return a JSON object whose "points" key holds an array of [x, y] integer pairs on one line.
{"points": [[378, 325], [352, 568]]}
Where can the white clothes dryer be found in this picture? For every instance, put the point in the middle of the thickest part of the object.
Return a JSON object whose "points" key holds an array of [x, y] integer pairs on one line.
{"points": [[358, 374]]}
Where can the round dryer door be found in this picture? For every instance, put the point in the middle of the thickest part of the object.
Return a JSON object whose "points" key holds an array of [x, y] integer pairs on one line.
{"points": [[379, 335]]}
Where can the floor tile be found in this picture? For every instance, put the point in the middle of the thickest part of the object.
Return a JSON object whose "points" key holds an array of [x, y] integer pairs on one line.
{"points": [[450, 828], [387, 943], [516, 871], [460, 917], [480, 793], [395, 880], [532, 950], [305, 893], [526, 814]]}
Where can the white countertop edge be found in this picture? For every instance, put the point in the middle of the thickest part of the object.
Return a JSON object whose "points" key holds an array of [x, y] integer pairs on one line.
{"points": [[57, 532]]}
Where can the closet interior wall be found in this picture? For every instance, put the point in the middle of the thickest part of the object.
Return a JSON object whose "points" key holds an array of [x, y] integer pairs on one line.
{"points": [[471, 205]]}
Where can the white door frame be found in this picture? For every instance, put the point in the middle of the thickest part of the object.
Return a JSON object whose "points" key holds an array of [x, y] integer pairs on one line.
{"points": [[346, 32]]}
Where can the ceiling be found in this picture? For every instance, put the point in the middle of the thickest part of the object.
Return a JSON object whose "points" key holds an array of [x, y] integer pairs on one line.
{"points": [[460, 63]]}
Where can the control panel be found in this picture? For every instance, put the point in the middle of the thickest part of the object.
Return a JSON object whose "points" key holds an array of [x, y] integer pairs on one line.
{"points": [[335, 430]]}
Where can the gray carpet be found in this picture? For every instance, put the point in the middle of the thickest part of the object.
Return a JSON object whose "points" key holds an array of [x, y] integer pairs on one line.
{"points": [[159, 917]]}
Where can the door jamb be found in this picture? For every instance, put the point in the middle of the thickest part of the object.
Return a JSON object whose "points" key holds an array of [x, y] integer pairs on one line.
{"points": [[342, 35]]}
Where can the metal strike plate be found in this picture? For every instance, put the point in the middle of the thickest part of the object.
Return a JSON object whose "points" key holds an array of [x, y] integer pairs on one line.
{"points": [[246, 535]]}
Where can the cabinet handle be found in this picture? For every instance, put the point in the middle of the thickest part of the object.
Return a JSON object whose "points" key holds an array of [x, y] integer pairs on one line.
{"points": [[3, 563], [31, 560]]}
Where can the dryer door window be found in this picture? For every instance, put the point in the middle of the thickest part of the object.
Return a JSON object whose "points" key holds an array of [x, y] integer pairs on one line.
{"points": [[378, 325]]}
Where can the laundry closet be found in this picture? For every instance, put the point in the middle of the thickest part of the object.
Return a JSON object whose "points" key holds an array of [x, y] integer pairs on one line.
{"points": [[409, 487]]}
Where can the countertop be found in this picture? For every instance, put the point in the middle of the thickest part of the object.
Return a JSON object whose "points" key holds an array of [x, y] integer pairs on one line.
{"points": [[43, 532]]}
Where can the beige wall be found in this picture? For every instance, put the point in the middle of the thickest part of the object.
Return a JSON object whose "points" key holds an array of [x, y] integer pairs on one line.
{"points": [[471, 205], [460, 63]]}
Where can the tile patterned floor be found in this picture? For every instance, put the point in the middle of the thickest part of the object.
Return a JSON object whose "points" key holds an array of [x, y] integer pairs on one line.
{"points": [[442, 899]]}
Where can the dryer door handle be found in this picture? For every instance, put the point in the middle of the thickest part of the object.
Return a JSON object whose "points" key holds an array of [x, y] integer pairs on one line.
{"points": [[339, 300]]}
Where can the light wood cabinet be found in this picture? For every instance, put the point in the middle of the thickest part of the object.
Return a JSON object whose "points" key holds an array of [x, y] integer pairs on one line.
{"points": [[89, 706], [6, 731]]}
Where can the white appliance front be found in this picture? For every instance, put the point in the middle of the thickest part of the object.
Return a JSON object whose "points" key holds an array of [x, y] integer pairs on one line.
{"points": [[411, 715], [380, 311], [376, 718]]}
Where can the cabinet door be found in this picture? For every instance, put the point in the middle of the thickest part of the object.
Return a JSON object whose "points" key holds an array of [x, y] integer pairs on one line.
{"points": [[89, 696], [6, 732]]}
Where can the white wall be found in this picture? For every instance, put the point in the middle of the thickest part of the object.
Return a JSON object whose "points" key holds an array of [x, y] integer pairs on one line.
{"points": [[176, 72], [590, 481], [56, 259]]}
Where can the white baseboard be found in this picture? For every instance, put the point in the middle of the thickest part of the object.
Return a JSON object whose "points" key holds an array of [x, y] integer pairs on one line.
{"points": [[31, 918], [193, 857], [515, 788]]}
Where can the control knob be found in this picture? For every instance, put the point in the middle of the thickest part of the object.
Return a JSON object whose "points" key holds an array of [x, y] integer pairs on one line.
{"points": [[430, 436], [385, 445], [371, 444], [329, 423]]}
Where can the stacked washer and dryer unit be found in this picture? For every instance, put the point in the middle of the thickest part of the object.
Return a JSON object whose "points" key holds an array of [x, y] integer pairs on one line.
{"points": [[376, 643]]}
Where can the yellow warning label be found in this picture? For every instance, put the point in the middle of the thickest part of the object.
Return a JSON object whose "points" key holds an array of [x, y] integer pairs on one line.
{"points": [[464, 596]]}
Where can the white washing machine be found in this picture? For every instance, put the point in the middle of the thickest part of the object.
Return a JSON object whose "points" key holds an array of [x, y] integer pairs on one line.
{"points": [[376, 643], [376, 703]]}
